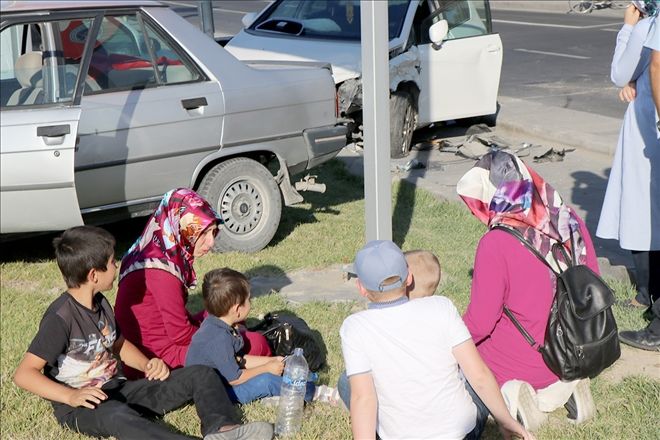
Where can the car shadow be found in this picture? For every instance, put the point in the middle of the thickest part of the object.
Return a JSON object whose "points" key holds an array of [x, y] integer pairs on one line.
{"points": [[39, 246]]}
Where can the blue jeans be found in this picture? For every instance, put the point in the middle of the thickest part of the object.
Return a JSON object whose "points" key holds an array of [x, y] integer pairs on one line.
{"points": [[482, 414], [263, 385], [344, 388]]}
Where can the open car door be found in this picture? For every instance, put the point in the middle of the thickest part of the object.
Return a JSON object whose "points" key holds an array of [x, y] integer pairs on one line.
{"points": [[460, 77], [39, 127]]}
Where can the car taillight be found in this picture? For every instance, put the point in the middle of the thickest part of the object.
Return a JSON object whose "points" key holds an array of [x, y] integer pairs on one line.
{"points": [[336, 103]]}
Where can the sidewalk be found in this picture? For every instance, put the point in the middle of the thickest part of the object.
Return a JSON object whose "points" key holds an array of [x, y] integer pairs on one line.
{"points": [[587, 131]]}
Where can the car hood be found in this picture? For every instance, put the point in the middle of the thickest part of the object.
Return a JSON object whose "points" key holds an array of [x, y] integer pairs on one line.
{"points": [[345, 57]]}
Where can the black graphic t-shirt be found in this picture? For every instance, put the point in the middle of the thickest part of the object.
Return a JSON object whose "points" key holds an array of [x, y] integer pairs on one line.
{"points": [[76, 342]]}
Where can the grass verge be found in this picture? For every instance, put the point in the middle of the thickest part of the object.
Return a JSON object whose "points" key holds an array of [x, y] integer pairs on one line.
{"points": [[326, 229]]}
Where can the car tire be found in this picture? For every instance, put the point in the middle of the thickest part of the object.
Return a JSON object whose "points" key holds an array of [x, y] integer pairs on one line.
{"points": [[245, 195], [403, 121]]}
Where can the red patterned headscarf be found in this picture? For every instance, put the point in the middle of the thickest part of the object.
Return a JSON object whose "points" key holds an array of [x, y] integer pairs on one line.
{"points": [[168, 240], [501, 190]]}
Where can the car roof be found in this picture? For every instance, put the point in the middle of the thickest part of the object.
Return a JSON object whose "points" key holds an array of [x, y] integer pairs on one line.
{"points": [[37, 5]]}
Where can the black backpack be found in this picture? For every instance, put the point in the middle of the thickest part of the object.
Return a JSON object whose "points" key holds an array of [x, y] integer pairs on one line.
{"points": [[286, 332], [581, 338]]}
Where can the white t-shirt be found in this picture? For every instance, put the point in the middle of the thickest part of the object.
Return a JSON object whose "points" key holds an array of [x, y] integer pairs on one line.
{"points": [[407, 349]]}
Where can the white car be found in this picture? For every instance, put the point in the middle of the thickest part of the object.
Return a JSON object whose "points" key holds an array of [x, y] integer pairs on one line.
{"points": [[445, 61], [107, 105]]}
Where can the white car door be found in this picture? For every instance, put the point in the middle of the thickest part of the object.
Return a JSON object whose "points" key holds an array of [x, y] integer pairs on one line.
{"points": [[459, 78], [39, 126]]}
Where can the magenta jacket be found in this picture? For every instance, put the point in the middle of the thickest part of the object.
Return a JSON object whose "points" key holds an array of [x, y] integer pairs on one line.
{"points": [[505, 272]]}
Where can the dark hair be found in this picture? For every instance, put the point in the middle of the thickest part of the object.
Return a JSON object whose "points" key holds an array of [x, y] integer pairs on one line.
{"points": [[81, 249], [224, 288]]}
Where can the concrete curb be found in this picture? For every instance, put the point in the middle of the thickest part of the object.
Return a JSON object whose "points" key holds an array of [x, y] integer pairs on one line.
{"points": [[561, 126]]}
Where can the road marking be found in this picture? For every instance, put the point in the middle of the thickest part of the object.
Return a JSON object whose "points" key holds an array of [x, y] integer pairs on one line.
{"points": [[565, 26], [555, 54], [188, 5], [586, 92]]}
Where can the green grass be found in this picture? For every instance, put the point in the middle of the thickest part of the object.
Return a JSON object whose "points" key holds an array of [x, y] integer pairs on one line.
{"points": [[327, 229]]}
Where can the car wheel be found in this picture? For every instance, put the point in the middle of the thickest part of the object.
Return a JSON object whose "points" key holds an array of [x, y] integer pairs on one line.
{"points": [[403, 121], [245, 195]]}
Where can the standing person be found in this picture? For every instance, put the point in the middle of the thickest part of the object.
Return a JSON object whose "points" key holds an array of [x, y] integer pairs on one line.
{"points": [[501, 190], [649, 337], [631, 209], [72, 360], [157, 272], [399, 387]]}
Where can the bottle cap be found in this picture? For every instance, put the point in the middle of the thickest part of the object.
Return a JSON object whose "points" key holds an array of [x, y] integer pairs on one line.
{"points": [[297, 351]]}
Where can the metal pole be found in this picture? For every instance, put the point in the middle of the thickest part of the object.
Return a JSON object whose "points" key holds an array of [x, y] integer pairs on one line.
{"points": [[205, 9], [376, 120]]}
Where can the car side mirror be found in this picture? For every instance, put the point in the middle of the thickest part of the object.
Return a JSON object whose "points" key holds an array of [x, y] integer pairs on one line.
{"points": [[248, 19], [438, 32]]}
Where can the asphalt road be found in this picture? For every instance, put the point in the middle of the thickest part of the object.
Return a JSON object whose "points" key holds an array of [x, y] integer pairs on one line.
{"points": [[561, 60]]}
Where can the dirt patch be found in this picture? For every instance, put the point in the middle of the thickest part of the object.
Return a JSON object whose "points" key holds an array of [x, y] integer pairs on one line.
{"points": [[634, 362]]}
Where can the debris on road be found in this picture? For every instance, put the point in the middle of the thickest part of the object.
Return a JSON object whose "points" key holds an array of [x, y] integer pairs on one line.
{"points": [[553, 155]]}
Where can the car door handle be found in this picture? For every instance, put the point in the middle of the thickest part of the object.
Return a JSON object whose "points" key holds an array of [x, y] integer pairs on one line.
{"points": [[494, 48], [193, 103], [53, 130]]}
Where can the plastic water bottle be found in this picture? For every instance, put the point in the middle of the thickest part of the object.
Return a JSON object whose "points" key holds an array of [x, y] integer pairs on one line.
{"points": [[292, 394]]}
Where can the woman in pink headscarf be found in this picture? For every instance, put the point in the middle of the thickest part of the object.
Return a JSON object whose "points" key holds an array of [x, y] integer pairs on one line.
{"points": [[157, 272], [501, 190]]}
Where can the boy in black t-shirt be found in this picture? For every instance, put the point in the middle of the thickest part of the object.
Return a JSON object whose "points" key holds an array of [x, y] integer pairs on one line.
{"points": [[78, 347]]}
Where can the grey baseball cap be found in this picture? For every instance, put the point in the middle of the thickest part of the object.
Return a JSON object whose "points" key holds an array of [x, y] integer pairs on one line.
{"points": [[377, 261]]}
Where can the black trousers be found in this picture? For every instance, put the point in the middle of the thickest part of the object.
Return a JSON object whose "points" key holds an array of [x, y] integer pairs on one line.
{"points": [[647, 276], [121, 415]]}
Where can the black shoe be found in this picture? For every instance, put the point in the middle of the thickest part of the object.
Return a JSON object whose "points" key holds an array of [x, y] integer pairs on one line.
{"points": [[642, 339]]}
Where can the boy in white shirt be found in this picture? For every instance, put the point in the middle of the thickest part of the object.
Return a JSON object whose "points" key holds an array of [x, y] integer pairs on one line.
{"points": [[400, 388]]}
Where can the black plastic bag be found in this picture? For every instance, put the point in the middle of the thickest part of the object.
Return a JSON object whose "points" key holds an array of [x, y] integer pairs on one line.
{"points": [[286, 332]]}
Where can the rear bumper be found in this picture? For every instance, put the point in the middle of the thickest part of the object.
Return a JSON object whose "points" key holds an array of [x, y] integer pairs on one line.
{"points": [[324, 143]]}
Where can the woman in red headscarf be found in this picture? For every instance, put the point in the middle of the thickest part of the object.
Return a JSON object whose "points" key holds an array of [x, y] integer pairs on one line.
{"points": [[157, 272]]}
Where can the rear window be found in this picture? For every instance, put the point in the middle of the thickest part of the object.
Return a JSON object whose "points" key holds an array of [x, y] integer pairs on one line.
{"points": [[332, 19]]}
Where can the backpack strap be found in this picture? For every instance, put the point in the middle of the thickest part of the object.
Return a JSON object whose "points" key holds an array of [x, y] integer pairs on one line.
{"points": [[530, 340]]}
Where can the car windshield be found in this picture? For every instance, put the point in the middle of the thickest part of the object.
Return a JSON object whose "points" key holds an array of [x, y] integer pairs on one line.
{"points": [[335, 19]]}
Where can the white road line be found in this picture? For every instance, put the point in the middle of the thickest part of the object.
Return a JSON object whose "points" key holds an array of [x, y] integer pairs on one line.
{"points": [[555, 54], [192, 6], [566, 26], [586, 92]]}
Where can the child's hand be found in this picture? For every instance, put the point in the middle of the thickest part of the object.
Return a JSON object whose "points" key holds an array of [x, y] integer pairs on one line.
{"points": [[156, 370], [88, 397], [276, 366]]}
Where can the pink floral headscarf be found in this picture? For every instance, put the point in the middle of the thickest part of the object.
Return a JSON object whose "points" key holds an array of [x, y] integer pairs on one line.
{"points": [[168, 240], [502, 190]]}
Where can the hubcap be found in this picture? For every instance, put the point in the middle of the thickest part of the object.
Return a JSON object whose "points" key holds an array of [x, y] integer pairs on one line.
{"points": [[241, 207]]}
